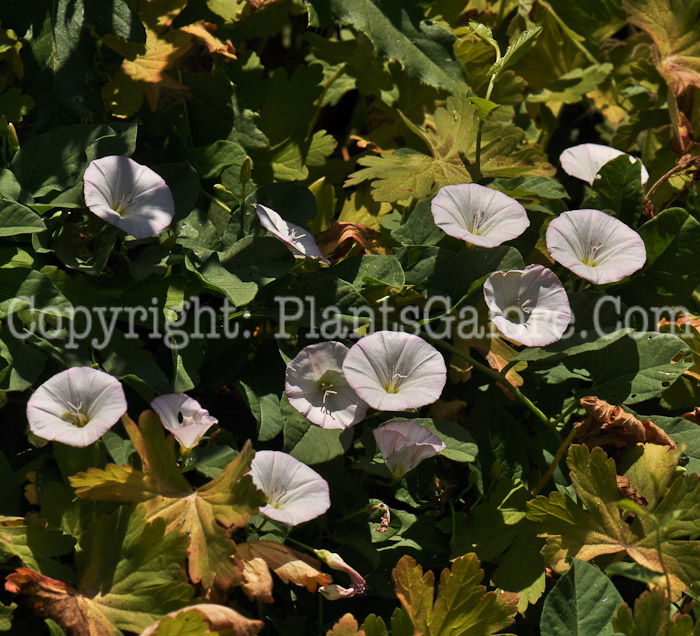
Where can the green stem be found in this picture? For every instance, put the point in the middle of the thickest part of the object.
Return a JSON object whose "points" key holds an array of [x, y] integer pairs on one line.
{"points": [[489, 90], [498, 378], [555, 462]]}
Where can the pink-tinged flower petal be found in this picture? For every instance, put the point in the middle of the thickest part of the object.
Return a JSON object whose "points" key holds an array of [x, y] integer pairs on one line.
{"points": [[316, 387], [528, 306], [585, 161], [336, 562], [405, 444], [595, 246], [296, 238], [184, 417], [76, 406], [335, 592], [295, 492], [478, 215], [129, 195], [395, 371]]}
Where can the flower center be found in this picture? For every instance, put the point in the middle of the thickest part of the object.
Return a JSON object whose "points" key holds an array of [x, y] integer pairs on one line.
{"points": [[519, 312], [592, 254], [477, 221], [392, 386], [75, 415], [121, 206]]}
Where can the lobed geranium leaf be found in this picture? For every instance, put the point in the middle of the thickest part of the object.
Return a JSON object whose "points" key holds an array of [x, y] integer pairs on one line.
{"points": [[452, 140], [198, 620], [161, 492], [131, 574], [346, 626], [600, 528], [462, 606]]}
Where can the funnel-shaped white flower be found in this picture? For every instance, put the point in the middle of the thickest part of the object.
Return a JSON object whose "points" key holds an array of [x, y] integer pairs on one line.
{"points": [[395, 371], [76, 406], [528, 306], [334, 592], [128, 195], [317, 388], [296, 238], [595, 246], [184, 417], [405, 444], [295, 493], [585, 161], [479, 215]]}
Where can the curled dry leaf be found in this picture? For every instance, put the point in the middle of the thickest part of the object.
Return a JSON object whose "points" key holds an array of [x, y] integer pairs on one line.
{"points": [[259, 557], [337, 241], [203, 31], [77, 614], [693, 416], [612, 428], [218, 617], [626, 490]]}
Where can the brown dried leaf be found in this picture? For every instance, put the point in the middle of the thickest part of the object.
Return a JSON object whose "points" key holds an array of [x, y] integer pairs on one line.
{"points": [[693, 416], [612, 428], [346, 626], [626, 490], [337, 241], [203, 31], [219, 617], [259, 557], [74, 612]]}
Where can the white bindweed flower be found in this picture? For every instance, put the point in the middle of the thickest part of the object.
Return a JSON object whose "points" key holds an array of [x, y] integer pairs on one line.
{"points": [[76, 406], [595, 246], [478, 215], [585, 161], [405, 444], [299, 240], [295, 493], [184, 417], [528, 306], [395, 371], [128, 195], [333, 592], [316, 387]]}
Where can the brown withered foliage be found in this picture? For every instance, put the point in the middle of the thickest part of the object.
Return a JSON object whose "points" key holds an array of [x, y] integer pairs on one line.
{"points": [[693, 416], [626, 490], [615, 430], [337, 241]]}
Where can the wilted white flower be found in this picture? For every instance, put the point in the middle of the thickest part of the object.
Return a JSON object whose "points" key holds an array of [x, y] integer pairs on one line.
{"points": [[395, 371], [184, 417], [595, 246], [334, 592], [295, 493], [479, 215], [296, 238], [585, 161], [405, 444], [316, 387], [528, 306], [126, 194], [76, 406]]}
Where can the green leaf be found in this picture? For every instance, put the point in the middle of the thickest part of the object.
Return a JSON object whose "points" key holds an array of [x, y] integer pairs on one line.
{"points": [[216, 277], [374, 626], [583, 601], [23, 289], [650, 618], [462, 606], [531, 188], [13, 104], [405, 174], [117, 17], [396, 38], [599, 528], [420, 229], [516, 50], [211, 160], [370, 270], [35, 544], [484, 106], [483, 33], [16, 218], [6, 617], [572, 87], [618, 190], [672, 271], [161, 492]]}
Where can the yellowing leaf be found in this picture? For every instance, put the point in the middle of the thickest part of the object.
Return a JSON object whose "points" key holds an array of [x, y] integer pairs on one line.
{"points": [[131, 574], [198, 619], [573, 530], [462, 607], [451, 137], [673, 25], [260, 557], [346, 626], [161, 492]]}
